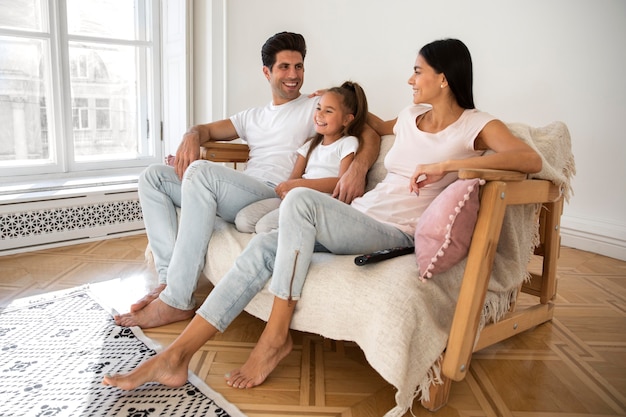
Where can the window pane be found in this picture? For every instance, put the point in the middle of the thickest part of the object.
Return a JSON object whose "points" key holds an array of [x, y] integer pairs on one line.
{"points": [[103, 18], [103, 117], [21, 14], [105, 101], [23, 96], [75, 119]]}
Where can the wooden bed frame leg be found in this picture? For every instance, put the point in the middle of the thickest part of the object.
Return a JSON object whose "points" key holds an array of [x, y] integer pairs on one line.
{"points": [[439, 395]]}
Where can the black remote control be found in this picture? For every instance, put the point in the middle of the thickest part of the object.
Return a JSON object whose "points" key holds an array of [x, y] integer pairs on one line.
{"points": [[381, 255]]}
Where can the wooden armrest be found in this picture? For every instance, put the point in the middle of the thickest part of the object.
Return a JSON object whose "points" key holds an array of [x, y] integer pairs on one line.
{"points": [[473, 290], [496, 195], [225, 152], [491, 174], [532, 191], [520, 190]]}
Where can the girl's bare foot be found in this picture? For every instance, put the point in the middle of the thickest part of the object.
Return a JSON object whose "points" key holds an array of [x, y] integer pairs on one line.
{"points": [[155, 314], [147, 299], [264, 358], [162, 368]]}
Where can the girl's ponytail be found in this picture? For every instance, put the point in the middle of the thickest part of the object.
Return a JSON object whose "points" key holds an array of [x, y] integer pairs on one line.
{"points": [[356, 103]]}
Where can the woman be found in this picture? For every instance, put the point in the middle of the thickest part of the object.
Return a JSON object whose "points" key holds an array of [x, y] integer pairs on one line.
{"points": [[435, 136]]}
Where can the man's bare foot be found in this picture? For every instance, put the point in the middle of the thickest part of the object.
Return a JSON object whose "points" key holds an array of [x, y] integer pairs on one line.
{"points": [[147, 299], [162, 368], [264, 358], [155, 314]]}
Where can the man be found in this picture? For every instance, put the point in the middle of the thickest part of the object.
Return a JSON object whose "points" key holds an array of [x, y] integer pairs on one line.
{"points": [[203, 190]]}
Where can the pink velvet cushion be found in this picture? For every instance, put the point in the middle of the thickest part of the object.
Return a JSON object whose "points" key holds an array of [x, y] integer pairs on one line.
{"points": [[444, 231]]}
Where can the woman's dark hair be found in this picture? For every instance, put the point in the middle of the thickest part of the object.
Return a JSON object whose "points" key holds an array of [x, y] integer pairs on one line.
{"points": [[283, 41], [354, 102], [452, 58]]}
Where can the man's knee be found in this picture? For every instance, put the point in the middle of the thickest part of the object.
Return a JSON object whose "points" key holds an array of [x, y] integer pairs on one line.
{"points": [[206, 169], [152, 176], [210, 175], [148, 174]]}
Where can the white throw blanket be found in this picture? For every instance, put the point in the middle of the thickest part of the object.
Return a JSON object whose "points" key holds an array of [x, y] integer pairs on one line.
{"points": [[401, 323]]}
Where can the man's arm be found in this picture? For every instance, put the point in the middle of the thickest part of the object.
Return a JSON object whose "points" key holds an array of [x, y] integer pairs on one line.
{"points": [[352, 184], [189, 148]]}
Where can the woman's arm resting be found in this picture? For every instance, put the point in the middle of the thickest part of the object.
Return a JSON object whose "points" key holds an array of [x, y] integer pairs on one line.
{"points": [[381, 126], [510, 154]]}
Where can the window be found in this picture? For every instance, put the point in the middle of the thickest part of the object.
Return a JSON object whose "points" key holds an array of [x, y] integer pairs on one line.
{"points": [[79, 85]]}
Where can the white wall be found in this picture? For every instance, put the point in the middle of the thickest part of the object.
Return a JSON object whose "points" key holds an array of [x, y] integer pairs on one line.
{"points": [[534, 62]]}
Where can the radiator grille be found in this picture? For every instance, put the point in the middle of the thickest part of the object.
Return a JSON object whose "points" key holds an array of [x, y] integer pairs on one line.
{"points": [[16, 225], [64, 220]]}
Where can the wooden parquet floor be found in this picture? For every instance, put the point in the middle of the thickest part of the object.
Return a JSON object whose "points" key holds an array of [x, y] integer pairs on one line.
{"points": [[572, 366]]}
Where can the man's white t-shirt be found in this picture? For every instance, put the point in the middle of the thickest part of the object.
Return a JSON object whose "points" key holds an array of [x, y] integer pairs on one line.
{"points": [[274, 134], [325, 160]]}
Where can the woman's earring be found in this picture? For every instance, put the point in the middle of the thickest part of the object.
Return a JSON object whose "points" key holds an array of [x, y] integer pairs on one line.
{"points": [[441, 85]]}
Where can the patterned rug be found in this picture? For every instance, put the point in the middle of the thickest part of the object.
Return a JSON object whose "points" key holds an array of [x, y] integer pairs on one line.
{"points": [[55, 349]]}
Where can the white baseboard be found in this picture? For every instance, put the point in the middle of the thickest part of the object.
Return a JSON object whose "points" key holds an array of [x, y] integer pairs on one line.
{"points": [[608, 239]]}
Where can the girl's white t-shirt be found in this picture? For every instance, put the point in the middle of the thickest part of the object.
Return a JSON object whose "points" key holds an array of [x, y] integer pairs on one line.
{"points": [[391, 201], [325, 160]]}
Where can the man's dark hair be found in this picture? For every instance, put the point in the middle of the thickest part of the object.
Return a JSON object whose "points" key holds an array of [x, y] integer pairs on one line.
{"points": [[283, 41]]}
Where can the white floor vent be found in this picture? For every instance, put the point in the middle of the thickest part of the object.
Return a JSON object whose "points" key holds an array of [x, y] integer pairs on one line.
{"points": [[29, 225]]}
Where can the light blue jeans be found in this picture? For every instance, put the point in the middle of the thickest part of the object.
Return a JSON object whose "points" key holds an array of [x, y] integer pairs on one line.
{"points": [[307, 218], [179, 245]]}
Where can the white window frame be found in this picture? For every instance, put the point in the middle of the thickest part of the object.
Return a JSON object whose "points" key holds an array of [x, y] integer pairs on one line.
{"points": [[59, 103], [177, 70]]}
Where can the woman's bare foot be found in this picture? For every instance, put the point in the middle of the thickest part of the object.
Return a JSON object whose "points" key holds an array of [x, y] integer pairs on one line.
{"points": [[264, 358], [155, 314], [148, 298], [163, 368], [169, 367]]}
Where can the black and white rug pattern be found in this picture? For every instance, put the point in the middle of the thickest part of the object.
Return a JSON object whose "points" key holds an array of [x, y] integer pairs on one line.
{"points": [[55, 350]]}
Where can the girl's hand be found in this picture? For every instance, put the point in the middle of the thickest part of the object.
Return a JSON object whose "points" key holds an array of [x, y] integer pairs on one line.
{"points": [[424, 175], [284, 187]]}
